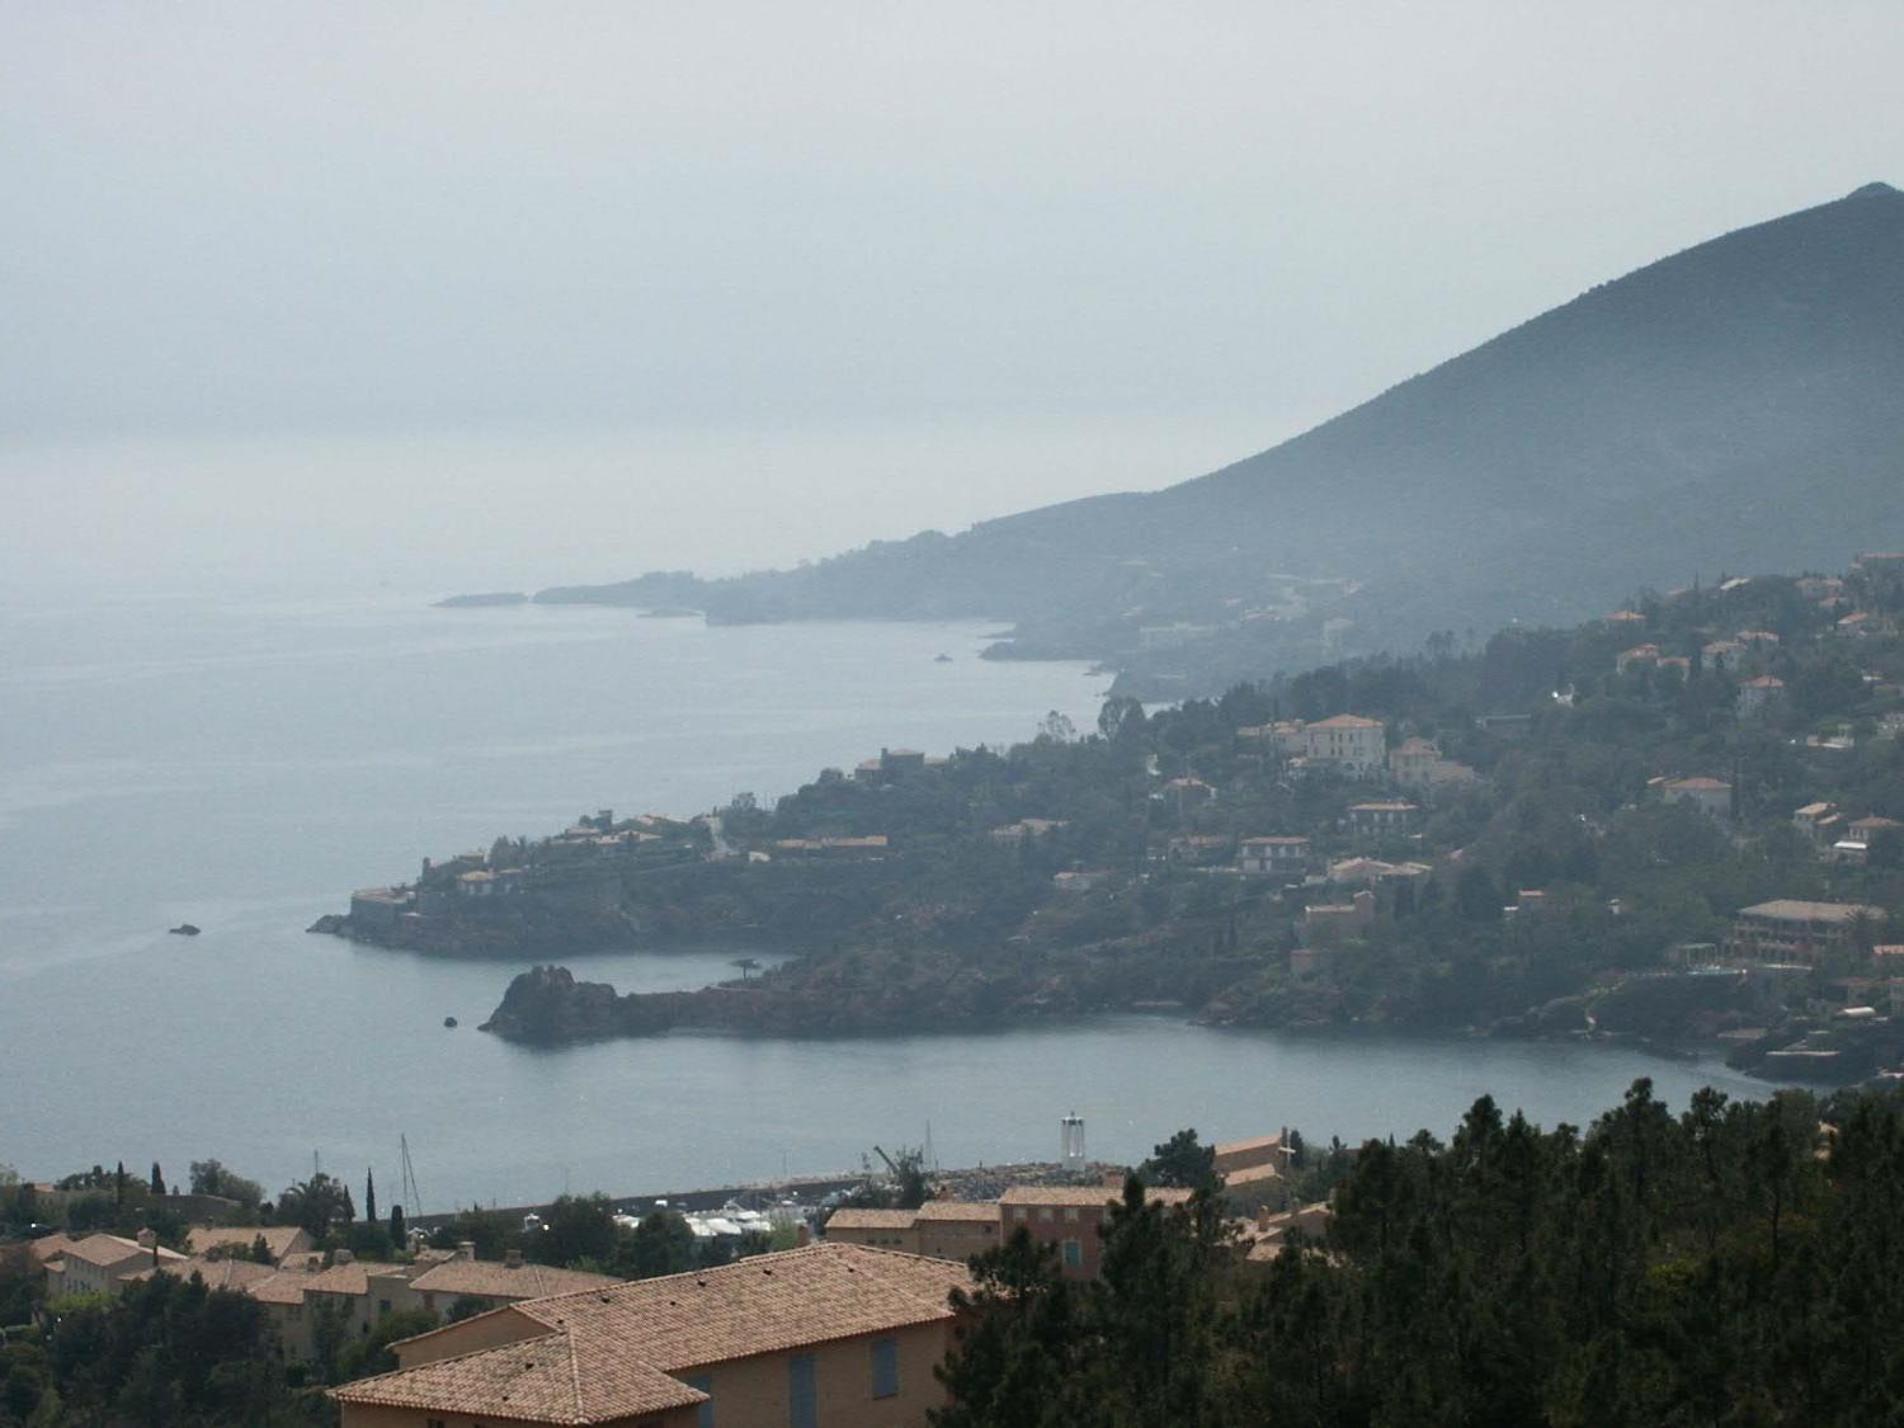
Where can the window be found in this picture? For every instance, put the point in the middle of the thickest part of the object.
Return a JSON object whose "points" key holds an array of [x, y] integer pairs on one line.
{"points": [[703, 1412], [885, 1368], [803, 1409], [383, 1306], [1044, 1213], [1070, 1214], [1073, 1254], [1021, 1212]]}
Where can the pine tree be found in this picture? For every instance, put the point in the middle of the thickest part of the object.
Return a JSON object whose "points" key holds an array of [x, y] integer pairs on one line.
{"points": [[158, 1180], [398, 1230]]}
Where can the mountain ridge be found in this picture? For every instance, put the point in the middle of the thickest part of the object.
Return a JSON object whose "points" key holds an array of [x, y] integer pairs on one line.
{"points": [[1732, 405]]}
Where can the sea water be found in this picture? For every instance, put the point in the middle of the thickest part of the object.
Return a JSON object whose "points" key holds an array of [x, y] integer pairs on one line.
{"points": [[242, 764]]}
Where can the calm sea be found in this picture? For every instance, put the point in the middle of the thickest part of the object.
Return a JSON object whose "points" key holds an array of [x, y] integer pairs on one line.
{"points": [[242, 766]]}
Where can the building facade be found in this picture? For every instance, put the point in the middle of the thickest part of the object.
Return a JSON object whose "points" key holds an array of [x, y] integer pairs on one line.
{"points": [[834, 1334]]}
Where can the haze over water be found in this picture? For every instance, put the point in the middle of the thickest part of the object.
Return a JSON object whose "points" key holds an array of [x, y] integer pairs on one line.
{"points": [[243, 765]]}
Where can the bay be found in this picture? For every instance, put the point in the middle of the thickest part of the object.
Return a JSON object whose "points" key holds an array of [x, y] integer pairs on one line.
{"points": [[242, 764]]}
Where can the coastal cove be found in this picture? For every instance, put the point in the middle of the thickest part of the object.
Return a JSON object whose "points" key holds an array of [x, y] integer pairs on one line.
{"points": [[171, 761]]}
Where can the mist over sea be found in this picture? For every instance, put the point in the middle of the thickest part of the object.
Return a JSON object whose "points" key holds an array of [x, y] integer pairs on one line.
{"points": [[243, 764]]}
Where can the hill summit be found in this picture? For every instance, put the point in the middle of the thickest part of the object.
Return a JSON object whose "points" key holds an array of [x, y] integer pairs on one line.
{"points": [[1736, 406]]}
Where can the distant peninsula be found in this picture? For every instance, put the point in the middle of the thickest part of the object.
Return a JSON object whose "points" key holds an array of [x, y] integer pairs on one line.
{"points": [[477, 602], [1669, 420]]}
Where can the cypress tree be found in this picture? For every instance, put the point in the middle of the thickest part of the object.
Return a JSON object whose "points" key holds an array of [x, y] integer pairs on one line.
{"points": [[370, 1196]]}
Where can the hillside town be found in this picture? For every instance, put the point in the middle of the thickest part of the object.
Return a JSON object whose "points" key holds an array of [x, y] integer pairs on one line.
{"points": [[1678, 825]]}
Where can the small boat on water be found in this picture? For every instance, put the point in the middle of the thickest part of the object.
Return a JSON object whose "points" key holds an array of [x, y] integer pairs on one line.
{"points": [[450, 1022], [942, 659], [184, 929]]}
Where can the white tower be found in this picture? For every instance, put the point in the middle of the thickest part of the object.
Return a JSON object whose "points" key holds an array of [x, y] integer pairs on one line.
{"points": [[1071, 1141]]}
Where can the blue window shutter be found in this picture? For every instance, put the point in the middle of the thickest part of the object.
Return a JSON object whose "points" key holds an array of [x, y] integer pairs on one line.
{"points": [[703, 1412], [803, 1410], [885, 1368]]}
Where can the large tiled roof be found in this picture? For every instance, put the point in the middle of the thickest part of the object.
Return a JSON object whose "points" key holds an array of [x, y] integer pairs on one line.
{"points": [[494, 1279], [284, 1287], [1085, 1195], [49, 1247], [758, 1305], [607, 1353], [1787, 909], [278, 1239], [540, 1380], [1346, 721], [852, 1218], [113, 1249], [236, 1274], [959, 1210], [350, 1278], [1250, 1146]]}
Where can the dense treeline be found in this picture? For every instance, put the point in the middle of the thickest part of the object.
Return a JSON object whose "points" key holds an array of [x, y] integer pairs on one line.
{"points": [[1739, 1263], [166, 1351]]}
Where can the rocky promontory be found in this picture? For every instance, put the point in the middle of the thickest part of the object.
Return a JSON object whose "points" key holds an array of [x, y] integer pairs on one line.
{"points": [[547, 1006]]}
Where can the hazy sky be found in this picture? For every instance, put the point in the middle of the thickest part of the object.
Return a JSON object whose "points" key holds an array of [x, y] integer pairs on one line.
{"points": [[511, 294]]}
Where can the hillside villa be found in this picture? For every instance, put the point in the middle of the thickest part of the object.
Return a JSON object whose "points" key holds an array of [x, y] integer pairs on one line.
{"points": [[833, 1334], [1788, 929]]}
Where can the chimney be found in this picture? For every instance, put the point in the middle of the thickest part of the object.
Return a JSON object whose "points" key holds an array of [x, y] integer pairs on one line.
{"points": [[803, 1234], [512, 1259], [466, 1249], [343, 1256], [313, 1263], [147, 1240], [1262, 1218]]}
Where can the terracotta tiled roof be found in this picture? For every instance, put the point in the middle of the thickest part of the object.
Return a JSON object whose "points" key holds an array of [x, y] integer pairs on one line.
{"points": [[1084, 1195], [759, 1305], [1786, 909], [352, 1278], [106, 1250], [50, 1247], [959, 1210], [284, 1287], [278, 1239], [853, 1218], [238, 1274], [1345, 721], [540, 1380], [493, 1279], [1249, 1175], [608, 1353], [1231, 1149]]}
